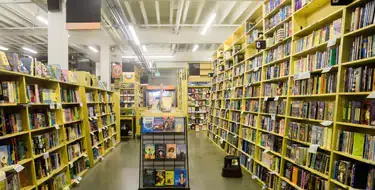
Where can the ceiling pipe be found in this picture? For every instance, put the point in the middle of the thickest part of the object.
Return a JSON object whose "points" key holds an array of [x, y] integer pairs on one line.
{"points": [[121, 22]]}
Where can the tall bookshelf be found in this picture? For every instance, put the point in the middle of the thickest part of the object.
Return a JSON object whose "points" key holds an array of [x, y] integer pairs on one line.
{"points": [[45, 108], [281, 115]]}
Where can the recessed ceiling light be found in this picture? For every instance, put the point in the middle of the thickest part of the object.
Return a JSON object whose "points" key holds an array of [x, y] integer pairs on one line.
{"points": [[195, 48], [4, 48], [93, 49], [43, 20], [30, 50], [208, 24]]}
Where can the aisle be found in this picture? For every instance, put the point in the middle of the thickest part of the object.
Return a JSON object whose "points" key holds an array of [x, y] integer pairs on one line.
{"points": [[119, 171]]}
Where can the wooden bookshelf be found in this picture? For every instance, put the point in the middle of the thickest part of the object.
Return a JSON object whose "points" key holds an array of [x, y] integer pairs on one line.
{"points": [[61, 112], [242, 112]]}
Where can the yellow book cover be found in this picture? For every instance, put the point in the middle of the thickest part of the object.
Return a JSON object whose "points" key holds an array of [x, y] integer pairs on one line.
{"points": [[359, 139], [3, 60], [169, 177]]}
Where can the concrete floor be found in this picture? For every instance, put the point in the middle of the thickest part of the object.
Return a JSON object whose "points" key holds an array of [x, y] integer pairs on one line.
{"points": [[119, 170]]}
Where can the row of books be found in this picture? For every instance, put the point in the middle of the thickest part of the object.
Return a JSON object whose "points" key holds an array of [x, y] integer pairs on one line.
{"points": [[74, 150], [270, 160], [324, 83], [271, 142], [363, 16], [280, 16], [273, 125], [275, 89], [270, 179], [313, 134], [78, 167], [271, 5], [278, 70], [248, 134], [355, 143], [198, 96], [320, 110], [317, 37], [253, 36], [164, 151], [57, 182], [198, 90], [252, 91], [303, 178], [280, 34], [298, 4], [252, 105], [69, 95], [279, 52], [317, 60], [163, 124], [71, 114], [254, 63], [35, 94], [43, 143], [9, 92], [73, 131], [13, 152], [250, 119], [362, 47], [274, 107], [90, 97], [360, 112], [359, 79], [161, 177], [255, 76], [10, 122], [353, 174], [45, 167], [40, 118]]}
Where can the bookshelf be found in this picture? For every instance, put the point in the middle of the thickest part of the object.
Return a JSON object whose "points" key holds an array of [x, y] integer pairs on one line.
{"points": [[36, 109], [300, 107]]}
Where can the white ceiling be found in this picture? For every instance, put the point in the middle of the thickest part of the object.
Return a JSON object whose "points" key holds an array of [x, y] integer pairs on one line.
{"points": [[163, 26]]}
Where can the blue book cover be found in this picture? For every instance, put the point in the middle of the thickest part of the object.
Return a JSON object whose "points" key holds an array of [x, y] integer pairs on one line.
{"points": [[158, 124], [180, 177], [147, 125]]}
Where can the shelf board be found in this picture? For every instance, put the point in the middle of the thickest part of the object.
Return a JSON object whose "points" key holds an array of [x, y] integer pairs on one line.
{"points": [[74, 140], [276, 79], [356, 125], [42, 180], [49, 151], [313, 95], [359, 62], [13, 135], [42, 129], [291, 183], [8, 104], [358, 158], [369, 28], [278, 61], [321, 46], [272, 133], [70, 122], [354, 93], [278, 43]]}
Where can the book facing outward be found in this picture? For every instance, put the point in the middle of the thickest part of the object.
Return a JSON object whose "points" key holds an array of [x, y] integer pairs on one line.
{"points": [[149, 151], [169, 177], [180, 177], [171, 151], [148, 125], [160, 151], [158, 124], [179, 124], [159, 177], [181, 151], [149, 178]]}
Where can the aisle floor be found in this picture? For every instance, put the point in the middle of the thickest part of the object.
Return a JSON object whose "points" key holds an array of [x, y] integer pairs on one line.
{"points": [[119, 170]]}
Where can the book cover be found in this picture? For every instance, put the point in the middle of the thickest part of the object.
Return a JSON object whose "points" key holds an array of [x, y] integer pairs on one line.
{"points": [[181, 151], [148, 125], [169, 123], [171, 151], [149, 151], [358, 143], [149, 178], [169, 177], [4, 156], [158, 124], [180, 177], [180, 124], [160, 151], [159, 177]]}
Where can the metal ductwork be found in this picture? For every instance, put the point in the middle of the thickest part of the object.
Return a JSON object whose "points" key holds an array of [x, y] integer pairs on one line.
{"points": [[122, 22]]}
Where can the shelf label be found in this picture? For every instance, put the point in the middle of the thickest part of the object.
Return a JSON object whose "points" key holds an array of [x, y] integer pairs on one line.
{"points": [[45, 155], [266, 150], [313, 148], [2, 176], [264, 187], [92, 133], [71, 165], [265, 99], [75, 181], [249, 159], [52, 106], [256, 69], [331, 42], [326, 69], [84, 155], [58, 106], [276, 98], [80, 104], [100, 130], [273, 117], [57, 126], [26, 105], [326, 123], [235, 136], [273, 172], [18, 168], [221, 140], [371, 95], [254, 177], [79, 178]]}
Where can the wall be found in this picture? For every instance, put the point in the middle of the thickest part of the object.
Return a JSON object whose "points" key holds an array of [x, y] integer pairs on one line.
{"points": [[167, 77]]}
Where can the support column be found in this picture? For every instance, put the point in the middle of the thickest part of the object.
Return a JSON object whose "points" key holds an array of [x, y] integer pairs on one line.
{"points": [[105, 64], [58, 45]]}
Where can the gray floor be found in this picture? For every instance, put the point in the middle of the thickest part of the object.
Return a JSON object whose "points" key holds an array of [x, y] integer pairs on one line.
{"points": [[119, 170]]}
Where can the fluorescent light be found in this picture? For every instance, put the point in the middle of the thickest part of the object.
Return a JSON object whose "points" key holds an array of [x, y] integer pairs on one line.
{"points": [[150, 65], [30, 50], [195, 48], [210, 58], [150, 56], [93, 49], [208, 24], [43, 20], [3, 48], [144, 48], [134, 35]]}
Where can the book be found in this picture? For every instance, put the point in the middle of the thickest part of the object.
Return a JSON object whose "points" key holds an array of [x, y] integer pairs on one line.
{"points": [[148, 125], [149, 178], [181, 151], [159, 177], [149, 151], [180, 177], [4, 156], [171, 151], [179, 124], [158, 124], [358, 143], [160, 151], [169, 177], [169, 123]]}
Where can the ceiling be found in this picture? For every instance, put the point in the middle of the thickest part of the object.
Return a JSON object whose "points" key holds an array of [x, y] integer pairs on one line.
{"points": [[169, 27]]}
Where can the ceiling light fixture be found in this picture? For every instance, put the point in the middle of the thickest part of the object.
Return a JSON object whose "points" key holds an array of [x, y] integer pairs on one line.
{"points": [[43, 20], [195, 48], [150, 56], [4, 48], [134, 35], [208, 24], [30, 50], [144, 48], [93, 49]]}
